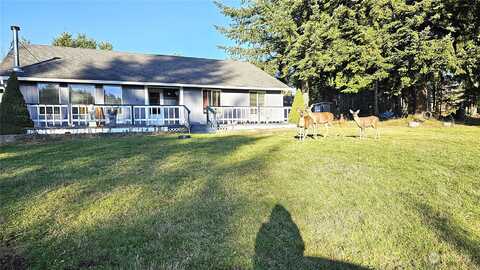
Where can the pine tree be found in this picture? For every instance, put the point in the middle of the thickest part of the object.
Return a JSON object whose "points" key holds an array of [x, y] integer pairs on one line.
{"points": [[298, 104], [66, 39], [403, 47], [14, 116]]}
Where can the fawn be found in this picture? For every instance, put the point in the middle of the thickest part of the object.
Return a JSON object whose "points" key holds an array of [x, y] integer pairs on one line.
{"points": [[366, 122]]}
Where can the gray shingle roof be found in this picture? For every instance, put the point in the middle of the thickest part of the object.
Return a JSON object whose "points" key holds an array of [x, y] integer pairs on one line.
{"points": [[88, 64]]}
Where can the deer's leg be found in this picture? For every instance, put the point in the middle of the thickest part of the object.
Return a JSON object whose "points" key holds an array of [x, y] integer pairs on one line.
{"points": [[326, 132]]}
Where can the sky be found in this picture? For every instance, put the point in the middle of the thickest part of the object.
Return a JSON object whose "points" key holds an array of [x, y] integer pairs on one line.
{"points": [[183, 27]]}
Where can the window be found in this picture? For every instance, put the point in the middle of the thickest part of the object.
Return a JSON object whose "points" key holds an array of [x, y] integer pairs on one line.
{"points": [[48, 93], [211, 98], [82, 93], [170, 97], [29, 92], [112, 94], [133, 95], [257, 98]]}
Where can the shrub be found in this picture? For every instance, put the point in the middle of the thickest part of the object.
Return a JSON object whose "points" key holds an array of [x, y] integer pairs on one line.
{"points": [[14, 116], [298, 103]]}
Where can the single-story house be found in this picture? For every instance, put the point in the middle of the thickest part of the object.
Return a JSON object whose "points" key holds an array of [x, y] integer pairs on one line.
{"points": [[77, 88]]}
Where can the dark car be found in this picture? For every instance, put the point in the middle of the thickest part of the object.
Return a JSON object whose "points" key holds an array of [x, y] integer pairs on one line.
{"points": [[322, 107]]}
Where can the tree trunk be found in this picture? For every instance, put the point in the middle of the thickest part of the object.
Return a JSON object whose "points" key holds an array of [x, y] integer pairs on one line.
{"points": [[375, 97], [421, 99], [306, 92]]}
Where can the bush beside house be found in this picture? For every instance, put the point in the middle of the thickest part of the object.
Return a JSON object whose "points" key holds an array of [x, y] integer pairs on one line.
{"points": [[298, 103], [14, 116]]}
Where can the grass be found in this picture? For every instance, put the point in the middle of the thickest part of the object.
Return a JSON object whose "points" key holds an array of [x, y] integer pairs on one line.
{"points": [[249, 200]]}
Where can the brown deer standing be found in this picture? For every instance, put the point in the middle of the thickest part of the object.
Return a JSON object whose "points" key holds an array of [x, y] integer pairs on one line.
{"points": [[305, 122], [325, 118], [366, 122]]}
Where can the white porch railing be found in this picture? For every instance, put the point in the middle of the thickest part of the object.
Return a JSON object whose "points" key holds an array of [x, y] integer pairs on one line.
{"points": [[76, 115], [160, 115], [250, 115], [49, 115]]}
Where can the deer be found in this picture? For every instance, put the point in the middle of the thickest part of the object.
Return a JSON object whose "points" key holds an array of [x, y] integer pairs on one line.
{"points": [[325, 118], [366, 122], [305, 122]]}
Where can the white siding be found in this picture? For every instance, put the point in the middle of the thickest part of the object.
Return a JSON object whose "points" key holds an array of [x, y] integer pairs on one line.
{"points": [[274, 98], [64, 93], [192, 98], [99, 95]]}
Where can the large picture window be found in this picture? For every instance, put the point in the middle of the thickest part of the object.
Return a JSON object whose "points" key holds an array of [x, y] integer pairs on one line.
{"points": [[48, 93], [257, 98], [211, 98], [82, 93], [112, 94]]}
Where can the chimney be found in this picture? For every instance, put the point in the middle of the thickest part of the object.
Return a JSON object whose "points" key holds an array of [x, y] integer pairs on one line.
{"points": [[16, 59]]}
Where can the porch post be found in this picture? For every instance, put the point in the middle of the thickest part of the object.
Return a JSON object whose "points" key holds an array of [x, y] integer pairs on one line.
{"points": [[146, 95], [180, 96]]}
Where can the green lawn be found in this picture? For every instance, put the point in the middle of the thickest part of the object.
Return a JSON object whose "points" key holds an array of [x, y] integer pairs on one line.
{"points": [[247, 200]]}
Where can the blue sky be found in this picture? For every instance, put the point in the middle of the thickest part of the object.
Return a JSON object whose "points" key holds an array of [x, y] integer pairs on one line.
{"points": [[184, 27]]}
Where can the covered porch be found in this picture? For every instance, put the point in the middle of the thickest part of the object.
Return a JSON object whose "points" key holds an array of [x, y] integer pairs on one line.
{"points": [[107, 116], [93, 108]]}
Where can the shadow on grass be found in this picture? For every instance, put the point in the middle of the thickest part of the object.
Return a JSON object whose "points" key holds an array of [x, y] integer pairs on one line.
{"points": [[279, 245], [134, 202], [449, 231]]}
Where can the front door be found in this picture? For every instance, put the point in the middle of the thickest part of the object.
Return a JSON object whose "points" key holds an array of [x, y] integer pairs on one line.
{"points": [[154, 96]]}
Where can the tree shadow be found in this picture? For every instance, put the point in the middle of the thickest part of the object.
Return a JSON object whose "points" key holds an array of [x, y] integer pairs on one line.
{"points": [[279, 245], [134, 202], [449, 231]]}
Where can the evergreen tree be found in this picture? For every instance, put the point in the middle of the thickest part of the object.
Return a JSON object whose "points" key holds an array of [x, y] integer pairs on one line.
{"points": [[66, 39], [404, 47], [298, 104], [14, 116]]}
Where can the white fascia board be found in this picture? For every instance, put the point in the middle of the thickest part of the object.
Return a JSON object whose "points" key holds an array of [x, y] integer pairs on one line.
{"points": [[36, 79]]}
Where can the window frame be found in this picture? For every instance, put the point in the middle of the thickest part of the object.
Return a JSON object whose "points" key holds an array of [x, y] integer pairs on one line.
{"points": [[257, 94], [105, 95], [210, 97], [71, 91], [39, 88]]}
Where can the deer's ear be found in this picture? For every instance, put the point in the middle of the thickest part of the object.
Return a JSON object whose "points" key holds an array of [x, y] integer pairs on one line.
{"points": [[351, 111], [358, 111]]}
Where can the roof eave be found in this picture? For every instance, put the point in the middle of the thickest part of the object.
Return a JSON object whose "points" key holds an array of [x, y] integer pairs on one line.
{"points": [[160, 84]]}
